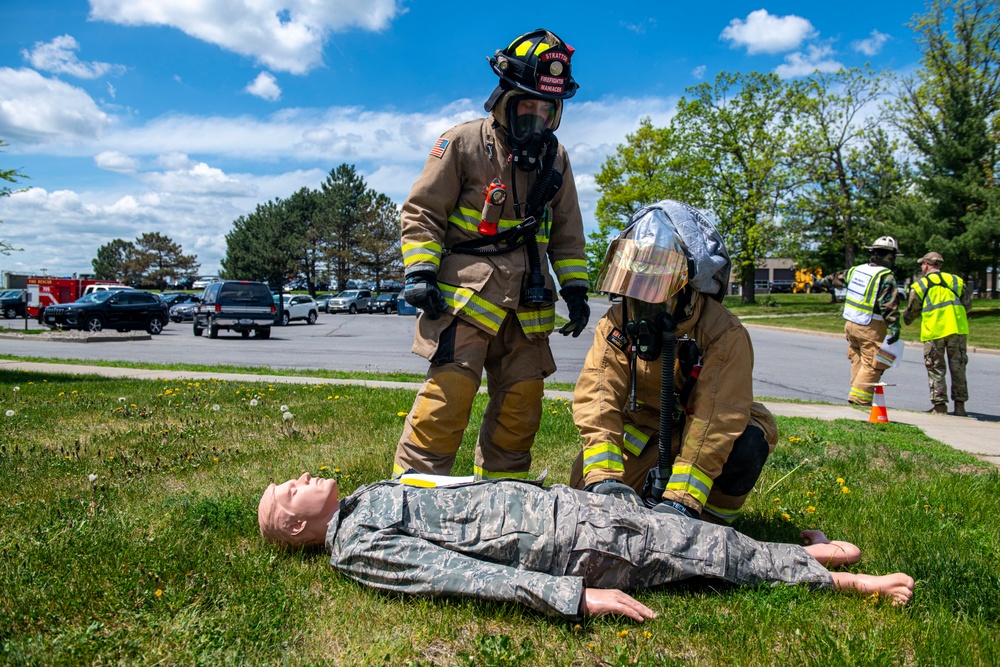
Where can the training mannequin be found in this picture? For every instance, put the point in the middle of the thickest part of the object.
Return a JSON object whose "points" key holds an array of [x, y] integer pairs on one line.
{"points": [[557, 550]]}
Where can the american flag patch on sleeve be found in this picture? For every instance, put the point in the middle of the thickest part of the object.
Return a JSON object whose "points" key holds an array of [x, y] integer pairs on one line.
{"points": [[438, 150]]}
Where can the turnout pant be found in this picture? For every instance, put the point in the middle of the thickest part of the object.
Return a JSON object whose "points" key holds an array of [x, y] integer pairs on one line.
{"points": [[864, 340]]}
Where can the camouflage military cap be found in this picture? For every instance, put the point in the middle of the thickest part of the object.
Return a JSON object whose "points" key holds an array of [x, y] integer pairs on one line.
{"points": [[932, 258]]}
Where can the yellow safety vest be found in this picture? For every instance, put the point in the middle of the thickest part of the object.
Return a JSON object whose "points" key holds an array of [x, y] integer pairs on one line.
{"points": [[943, 313], [862, 290]]}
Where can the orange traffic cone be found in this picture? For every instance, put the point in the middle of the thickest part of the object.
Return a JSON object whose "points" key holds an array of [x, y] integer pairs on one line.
{"points": [[878, 414]]}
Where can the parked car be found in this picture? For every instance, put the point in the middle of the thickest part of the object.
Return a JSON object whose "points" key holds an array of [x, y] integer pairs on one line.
{"points": [[205, 281], [122, 310], [174, 298], [12, 303], [322, 299], [384, 303], [184, 312], [350, 301], [235, 305], [297, 307]]}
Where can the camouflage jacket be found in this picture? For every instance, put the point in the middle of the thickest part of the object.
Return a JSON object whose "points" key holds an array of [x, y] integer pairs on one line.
{"points": [[513, 541]]}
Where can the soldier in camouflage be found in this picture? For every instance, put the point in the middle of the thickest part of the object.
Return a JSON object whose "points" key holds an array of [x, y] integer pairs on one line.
{"points": [[941, 301], [557, 550]]}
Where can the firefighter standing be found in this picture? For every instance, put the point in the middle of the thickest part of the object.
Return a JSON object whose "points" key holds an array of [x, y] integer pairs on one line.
{"points": [[494, 204], [719, 437], [871, 309], [941, 301]]}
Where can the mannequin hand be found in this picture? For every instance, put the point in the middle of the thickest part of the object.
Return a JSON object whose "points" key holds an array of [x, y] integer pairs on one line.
{"points": [[579, 310], [422, 291], [601, 601]]}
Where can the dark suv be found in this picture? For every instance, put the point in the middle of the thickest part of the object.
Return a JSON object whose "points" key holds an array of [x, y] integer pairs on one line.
{"points": [[236, 305], [123, 310]]}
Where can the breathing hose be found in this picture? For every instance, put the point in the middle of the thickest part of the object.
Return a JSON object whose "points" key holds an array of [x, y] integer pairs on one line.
{"points": [[665, 460]]}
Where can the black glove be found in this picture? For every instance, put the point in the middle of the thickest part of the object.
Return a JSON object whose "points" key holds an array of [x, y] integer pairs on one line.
{"points": [[893, 337], [579, 311], [614, 488], [677, 509], [422, 291]]}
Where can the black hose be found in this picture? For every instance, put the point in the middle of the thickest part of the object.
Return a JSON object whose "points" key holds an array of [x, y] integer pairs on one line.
{"points": [[665, 459]]}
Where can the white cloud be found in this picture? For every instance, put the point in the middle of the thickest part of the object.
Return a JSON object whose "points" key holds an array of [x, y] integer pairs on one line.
{"points": [[111, 91], [58, 57], [115, 161], [762, 32], [699, 72], [816, 57], [641, 27], [284, 35], [36, 109], [265, 86], [873, 45]]}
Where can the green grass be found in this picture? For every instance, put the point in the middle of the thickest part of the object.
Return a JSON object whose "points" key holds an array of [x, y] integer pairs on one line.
{"points": [[158, 558]]}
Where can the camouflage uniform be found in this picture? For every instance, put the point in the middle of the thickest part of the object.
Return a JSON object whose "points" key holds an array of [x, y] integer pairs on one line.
{"points": [[953, 346], [512, 541]]}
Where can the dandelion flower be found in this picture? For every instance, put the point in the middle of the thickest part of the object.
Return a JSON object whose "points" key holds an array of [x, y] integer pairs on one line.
{"points": [[623, 633], [253, 402], [786, 516], [336, 470], [840, 480], [284, 408], [322, 468], [592, 646], [158, 592], [92, 477], [10, 413], [844, 489], [400, 414], [647, 634], [809, 494], [286, 416], [810, 509], [215, 408], [17, 389], [122, 399]]}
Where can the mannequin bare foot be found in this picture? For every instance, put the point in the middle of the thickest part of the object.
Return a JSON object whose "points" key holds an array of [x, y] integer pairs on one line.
{"points": [[898, 587], [830, 553]]}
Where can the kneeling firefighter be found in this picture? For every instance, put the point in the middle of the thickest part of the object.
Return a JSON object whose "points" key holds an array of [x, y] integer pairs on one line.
{"points": [[693, 441], [495, 203]]}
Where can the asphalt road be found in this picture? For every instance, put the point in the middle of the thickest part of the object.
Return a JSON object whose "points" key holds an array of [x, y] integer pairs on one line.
{"points": [[788, 364]]}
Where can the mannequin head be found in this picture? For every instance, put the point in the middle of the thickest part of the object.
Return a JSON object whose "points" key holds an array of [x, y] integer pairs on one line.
{"points": [[298, 511]]}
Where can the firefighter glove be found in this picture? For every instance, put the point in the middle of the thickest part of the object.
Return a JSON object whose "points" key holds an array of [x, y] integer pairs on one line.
{"points": [[422, 291], [615, 489], [579, 311]]}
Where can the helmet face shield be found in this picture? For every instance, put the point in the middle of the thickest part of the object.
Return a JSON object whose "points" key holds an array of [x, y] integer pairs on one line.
{"points": [[651, 268]]}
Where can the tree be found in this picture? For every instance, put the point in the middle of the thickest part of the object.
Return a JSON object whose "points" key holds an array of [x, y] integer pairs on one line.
{"points": [[306, 231], [850, 172], [949, 114], [258, 247], [733, 141], [11, 176], [114, 260], [158, 257], [380, 255], [344, 203]]}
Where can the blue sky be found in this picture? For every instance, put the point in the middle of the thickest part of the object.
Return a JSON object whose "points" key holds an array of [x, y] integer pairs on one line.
{"points": [[132, 116]]}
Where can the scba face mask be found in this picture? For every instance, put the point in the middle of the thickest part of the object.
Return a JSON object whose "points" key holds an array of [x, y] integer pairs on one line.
{"points": [[530, 123]]}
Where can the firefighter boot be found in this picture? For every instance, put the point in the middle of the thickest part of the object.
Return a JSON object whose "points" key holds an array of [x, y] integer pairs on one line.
{"points": [[939, 409], [960, 409]]}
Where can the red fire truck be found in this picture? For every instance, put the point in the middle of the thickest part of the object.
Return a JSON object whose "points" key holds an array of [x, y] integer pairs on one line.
{"points": [[57, 290]]}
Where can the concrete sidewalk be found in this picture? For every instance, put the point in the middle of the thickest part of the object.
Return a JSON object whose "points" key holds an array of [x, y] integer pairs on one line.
{"points": [[979, 438]]}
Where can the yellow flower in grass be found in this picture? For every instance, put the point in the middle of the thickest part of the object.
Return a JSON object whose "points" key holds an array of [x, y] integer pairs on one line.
{"points": [[400, 414], [158, 592], [336, 471], [810, 509], [623, 633], [840, 480], [322, 468], [844, 489], [786, 516]]}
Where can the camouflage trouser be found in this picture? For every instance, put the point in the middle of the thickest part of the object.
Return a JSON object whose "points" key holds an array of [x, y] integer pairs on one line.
{"points": [[937, 375]]}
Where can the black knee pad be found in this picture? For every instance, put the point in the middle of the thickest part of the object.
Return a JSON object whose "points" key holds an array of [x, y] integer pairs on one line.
{"points": [[745, 462]]}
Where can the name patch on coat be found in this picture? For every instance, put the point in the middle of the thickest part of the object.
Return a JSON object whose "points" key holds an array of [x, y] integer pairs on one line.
{"points": [[438, 150], [618, 339]]}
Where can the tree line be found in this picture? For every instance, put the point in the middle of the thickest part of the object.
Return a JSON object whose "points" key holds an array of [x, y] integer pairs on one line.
{"points": [[816, 168]]}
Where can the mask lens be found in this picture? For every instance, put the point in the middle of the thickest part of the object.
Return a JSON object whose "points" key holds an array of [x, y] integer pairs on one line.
{"points": [[532, 117]]}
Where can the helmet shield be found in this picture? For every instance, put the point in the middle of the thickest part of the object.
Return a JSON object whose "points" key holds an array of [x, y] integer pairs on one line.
{"points": [[646, 263]]}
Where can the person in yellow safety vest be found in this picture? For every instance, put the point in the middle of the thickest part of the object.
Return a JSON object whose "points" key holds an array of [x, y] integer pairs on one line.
{"points": [[716, 438], [941, 301], [871, 309], [496, 203]]}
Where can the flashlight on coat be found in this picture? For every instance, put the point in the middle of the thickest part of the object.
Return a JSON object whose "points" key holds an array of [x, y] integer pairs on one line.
{"points": [[496, 195]]}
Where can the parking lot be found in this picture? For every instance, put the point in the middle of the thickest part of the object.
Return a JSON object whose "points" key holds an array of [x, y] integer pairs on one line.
{"points": [[376, 343]]}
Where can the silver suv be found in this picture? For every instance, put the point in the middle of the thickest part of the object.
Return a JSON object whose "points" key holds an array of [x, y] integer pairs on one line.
{"points": [[350, 301]]}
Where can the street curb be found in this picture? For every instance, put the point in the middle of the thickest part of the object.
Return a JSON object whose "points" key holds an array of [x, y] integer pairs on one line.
{"points": [[828, 334], [78, 339]]}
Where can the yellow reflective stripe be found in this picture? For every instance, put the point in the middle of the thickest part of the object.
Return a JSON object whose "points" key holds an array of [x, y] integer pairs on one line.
{"points": [[688, 479], [570, 269], [465, 300], [481, 473], [605, 456], [466, 218], [537, 320], [726, 515], [635, 440], [422, 251], [865, 396], [397, 470], [423, 483]]}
